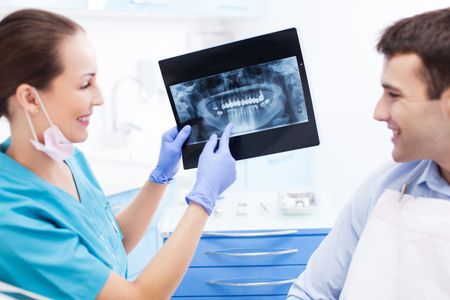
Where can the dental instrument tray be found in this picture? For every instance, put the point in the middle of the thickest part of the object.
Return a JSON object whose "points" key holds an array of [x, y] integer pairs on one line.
{"points": [[258, 84], [297, 203]]}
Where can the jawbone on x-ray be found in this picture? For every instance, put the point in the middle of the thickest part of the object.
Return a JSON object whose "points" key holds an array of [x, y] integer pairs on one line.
{"points": [[253, 98]]}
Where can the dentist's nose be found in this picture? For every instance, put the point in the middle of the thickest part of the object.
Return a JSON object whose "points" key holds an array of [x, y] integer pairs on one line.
{"points": [[98, 98]]}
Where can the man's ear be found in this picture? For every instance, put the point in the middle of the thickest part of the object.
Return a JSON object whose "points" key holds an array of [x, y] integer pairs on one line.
{"points": [[26, 98], [445, 98]]}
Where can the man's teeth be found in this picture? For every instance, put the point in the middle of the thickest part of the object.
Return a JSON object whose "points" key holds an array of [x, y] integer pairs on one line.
{"points": [[83, 119]]}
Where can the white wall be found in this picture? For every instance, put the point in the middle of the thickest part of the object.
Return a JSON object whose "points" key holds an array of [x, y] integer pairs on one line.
{"points": [[338, 39]]}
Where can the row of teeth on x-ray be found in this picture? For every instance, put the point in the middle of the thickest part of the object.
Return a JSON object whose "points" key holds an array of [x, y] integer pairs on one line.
{"points": [[241, 102]]}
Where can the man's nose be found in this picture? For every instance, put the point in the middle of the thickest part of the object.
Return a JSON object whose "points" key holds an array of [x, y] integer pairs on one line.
{"points": [[382, 110]]}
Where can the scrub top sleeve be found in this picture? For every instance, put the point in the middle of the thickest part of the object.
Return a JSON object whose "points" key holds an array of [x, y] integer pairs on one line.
{"points": [[49, 261]]}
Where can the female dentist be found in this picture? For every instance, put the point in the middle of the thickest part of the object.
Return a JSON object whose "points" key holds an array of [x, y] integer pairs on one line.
{"points": [[58, 236]]}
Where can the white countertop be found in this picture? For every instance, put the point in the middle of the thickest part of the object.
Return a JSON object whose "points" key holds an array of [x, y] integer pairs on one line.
{"points": [[263, 211], [257, 218]]}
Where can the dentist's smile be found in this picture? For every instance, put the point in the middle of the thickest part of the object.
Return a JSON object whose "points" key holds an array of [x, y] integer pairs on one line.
{"points": [[84, 119]]}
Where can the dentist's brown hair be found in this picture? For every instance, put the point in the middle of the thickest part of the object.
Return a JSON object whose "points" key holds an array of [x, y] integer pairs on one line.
{"points": [[29, 41]]}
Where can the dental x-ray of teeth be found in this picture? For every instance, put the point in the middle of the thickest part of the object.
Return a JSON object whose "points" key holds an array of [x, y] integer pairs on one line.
{"points": [[253, 98], [259, 84]]}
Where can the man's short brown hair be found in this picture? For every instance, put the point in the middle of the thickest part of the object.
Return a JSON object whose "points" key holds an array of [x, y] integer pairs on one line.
{"points": [[428, 36]]}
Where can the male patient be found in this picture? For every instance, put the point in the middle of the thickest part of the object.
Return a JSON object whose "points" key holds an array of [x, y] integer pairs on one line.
{"points": [[392, 240]]}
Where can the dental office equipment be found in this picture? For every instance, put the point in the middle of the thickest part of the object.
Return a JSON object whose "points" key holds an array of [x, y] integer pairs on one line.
{"points": [[297, 203], [242, 209]]}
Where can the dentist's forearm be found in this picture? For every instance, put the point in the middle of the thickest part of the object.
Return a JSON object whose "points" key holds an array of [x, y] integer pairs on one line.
{"points": [[136, 217], [164, 273]]}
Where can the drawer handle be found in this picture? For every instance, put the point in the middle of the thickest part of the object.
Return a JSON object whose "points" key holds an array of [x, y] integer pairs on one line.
{"points": [[250, 234], [260, 283], [232, 252]]}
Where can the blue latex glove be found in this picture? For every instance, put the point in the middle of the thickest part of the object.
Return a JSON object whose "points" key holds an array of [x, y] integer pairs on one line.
{"points": [[169, 155], [216, 172]]}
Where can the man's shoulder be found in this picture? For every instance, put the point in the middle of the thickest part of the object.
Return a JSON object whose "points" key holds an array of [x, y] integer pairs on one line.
{"points": [[390, 175], [393, 175]]}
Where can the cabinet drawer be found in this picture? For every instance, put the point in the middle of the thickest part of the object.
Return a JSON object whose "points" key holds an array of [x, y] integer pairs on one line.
{"points": [[253, 251], [238, 281]]}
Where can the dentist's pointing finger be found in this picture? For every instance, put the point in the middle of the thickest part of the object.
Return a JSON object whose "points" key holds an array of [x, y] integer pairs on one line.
{"points": [[225, 139]]}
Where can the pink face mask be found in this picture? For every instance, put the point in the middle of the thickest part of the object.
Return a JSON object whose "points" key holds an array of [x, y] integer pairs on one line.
{"points": [[56, 146]]}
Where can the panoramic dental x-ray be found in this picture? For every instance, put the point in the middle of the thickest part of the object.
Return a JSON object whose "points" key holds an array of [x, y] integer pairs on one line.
{"points": [[253, 98]]}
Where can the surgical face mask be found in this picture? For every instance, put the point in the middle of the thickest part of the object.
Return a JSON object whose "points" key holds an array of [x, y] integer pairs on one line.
{"points": [[55, 145]]}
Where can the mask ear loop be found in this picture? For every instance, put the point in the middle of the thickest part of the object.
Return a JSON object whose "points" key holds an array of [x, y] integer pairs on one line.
{"points": [[31, 125], [41, 103]]}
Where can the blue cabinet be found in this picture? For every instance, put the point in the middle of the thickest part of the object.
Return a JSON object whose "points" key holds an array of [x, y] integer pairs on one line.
{"points": [[248, 265]]}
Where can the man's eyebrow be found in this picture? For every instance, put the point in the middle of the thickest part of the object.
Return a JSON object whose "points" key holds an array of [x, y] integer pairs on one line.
{"points": [[390, 87]]}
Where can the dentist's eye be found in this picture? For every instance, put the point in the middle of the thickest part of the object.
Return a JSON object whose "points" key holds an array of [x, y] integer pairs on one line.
{"points": [[85, 85]]}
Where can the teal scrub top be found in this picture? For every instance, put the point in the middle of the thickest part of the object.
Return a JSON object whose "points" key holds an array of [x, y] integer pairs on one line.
{"points": [[50, 243]]}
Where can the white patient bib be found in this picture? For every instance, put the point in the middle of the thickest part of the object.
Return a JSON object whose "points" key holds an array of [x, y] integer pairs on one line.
{"points": [[403, 252]]}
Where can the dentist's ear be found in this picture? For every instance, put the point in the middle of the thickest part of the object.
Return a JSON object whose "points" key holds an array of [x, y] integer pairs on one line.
{"points": [[26, 98]]}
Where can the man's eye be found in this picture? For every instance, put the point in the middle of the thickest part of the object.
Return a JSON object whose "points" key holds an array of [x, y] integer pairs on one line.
{"points": [[85, 86], [393, 95]]}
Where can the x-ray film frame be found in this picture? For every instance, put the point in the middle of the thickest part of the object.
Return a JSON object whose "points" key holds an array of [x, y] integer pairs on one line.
{"points": [[235, 55]]}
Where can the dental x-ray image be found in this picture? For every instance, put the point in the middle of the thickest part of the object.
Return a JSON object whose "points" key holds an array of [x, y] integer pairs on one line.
{"points": [[259, 84], [253, 98]]}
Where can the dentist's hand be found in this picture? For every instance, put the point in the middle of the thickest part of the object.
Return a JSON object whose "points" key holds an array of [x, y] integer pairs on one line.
{"points": [[169, 154], [216, 172]]}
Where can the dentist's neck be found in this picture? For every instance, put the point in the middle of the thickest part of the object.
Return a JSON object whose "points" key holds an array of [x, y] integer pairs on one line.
{"points": [[23, 152]]}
